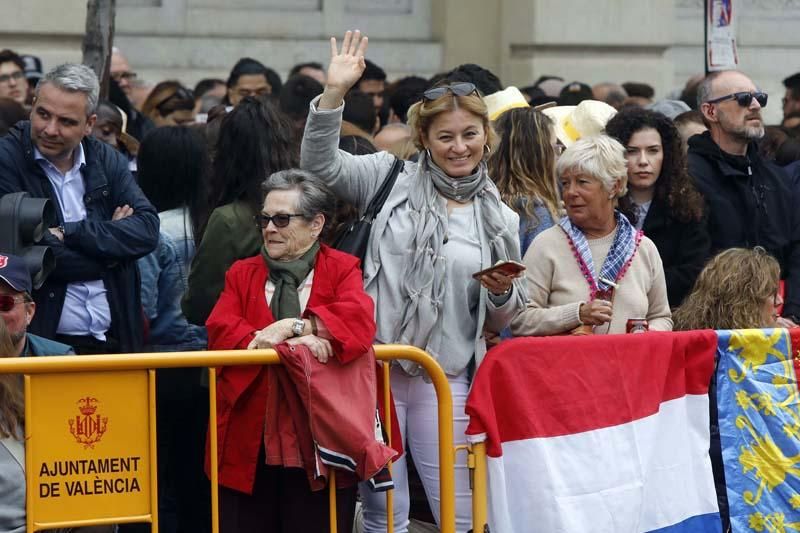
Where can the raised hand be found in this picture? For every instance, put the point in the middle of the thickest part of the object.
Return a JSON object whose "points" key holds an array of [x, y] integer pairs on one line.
{"points": [[345, 69]]}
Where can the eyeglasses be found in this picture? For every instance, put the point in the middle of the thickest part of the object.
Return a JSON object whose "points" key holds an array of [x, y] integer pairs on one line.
{"points": [[280, 220], [16, 76], [458, 89], [743, 99], [117, 76], [7, 302]]}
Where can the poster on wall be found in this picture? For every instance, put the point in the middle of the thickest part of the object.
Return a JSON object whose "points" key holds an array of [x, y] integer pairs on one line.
{"points": [[721, 34]]}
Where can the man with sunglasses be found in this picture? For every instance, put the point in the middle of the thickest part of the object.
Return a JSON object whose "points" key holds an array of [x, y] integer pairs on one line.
{"points": [[750, 200], [17, 309]]}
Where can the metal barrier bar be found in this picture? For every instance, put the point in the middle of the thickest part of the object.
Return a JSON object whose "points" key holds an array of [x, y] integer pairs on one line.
{"points": [[212, 448], [477, 462], [334, 526], [151, 377], [212, 359], [387, 409], [30, 496]]}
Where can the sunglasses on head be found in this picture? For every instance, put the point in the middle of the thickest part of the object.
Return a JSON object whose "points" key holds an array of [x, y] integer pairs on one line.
{"points": [[743, 99], [280, 220], [7, 302], [458, 89]]}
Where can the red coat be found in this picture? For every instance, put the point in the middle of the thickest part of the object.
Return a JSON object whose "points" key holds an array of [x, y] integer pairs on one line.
{"points": [[337, 299]]}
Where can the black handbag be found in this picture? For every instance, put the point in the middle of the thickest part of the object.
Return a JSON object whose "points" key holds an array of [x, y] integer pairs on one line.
{"points": [[355, 237]]}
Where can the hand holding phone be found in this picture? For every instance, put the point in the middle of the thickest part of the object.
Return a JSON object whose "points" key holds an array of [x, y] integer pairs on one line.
{"points": [[498, 279], [507, 268]]}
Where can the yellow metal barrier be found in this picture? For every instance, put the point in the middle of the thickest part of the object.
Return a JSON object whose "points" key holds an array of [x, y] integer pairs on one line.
{"points": [[477, 466], [213, 359]]}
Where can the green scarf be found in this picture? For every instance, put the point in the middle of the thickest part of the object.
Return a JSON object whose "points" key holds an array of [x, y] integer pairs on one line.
{"points": [[287, 276]]}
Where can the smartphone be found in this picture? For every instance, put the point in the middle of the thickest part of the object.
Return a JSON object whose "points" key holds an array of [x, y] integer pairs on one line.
{"points": [[509, 268]]}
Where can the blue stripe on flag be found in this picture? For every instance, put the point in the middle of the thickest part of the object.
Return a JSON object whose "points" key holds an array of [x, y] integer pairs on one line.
{"points": [[704, 523]]}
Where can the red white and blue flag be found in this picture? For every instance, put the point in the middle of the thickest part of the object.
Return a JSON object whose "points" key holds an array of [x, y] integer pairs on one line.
{"points": [[608, 434]]}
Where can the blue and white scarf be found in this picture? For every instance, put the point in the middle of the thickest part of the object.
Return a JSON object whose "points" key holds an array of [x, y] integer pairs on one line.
{"points": [[626, 242]]}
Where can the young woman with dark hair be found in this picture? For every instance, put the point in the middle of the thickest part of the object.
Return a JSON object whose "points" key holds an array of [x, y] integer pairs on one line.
{"points": [[662, 200], [173, 167], [255, 140]]}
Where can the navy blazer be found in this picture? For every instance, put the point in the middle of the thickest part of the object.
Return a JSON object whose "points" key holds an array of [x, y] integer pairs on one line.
{"points": [[94, 248]]}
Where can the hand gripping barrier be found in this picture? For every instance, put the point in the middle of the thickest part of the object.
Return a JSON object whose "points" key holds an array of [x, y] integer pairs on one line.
{"points": [[42, 367]]}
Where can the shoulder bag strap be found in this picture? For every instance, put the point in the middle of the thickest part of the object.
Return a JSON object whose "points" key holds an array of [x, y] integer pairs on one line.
{"points": [[376, 204]]}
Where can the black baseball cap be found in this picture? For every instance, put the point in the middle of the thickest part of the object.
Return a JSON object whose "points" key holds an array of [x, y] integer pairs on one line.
{"points": [[14, 272]]}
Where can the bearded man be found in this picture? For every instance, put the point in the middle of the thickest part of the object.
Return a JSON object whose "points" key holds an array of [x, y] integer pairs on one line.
{"points": [[751, 201]]}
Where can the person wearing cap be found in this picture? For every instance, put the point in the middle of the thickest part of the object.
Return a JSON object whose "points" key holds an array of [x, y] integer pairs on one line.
{"points": [[750, 200], [33, 73], [17, 309], [593, 271], [92, 300], [13, 83]]}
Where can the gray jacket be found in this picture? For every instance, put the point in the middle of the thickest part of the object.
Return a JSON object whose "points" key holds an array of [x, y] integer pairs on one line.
{"points": [[356, 179], [12, 486]]}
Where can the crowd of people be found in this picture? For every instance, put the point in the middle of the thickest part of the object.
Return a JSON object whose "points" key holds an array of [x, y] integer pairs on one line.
{"points": [[207, 218]]}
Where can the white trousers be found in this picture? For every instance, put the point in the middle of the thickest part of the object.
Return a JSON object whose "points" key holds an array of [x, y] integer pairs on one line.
{"points": [[415, 402]]}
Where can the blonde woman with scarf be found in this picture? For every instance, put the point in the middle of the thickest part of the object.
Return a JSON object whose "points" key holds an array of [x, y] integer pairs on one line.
{"points": [[442, 222]]}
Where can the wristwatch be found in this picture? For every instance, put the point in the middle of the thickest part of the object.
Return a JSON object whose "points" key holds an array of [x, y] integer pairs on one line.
{"points": [[298, 326]]}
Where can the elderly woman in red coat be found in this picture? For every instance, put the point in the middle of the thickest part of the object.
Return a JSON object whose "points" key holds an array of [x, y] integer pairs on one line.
{"points": [[299, 293]]}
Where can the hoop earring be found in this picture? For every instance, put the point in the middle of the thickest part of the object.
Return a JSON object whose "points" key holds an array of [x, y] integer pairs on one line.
{"points": [[428, 151], [487, 150]]}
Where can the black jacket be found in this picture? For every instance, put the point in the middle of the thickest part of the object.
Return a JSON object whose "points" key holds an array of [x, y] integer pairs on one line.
{"points": [[684, 248], [751, 203], [94, 248]]}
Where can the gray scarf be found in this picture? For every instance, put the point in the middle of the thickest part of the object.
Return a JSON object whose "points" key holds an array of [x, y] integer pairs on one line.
{"points": [[424, 282]]}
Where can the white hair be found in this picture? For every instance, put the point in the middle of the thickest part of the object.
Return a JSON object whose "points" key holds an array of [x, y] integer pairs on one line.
{"points": [[598, 156]]}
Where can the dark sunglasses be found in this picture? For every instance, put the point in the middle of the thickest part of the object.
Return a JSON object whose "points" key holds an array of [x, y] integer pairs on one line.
{"points": [[280, 220], [458, 89], [743, 99], [7, 302]]}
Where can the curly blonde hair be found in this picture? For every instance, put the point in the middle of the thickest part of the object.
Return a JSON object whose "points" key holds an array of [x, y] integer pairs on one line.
{"points": [[730, 291], [422, 114]]}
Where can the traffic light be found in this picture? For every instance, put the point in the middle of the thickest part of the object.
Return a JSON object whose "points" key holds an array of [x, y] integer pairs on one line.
{"points": [[23, 223]]}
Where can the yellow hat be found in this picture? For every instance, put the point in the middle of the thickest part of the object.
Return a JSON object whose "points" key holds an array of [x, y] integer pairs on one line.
{"points": [[501, 101], [583, 120]]}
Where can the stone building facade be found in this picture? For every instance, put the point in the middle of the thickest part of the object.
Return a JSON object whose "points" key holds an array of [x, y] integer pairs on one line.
{"points": [[658, 41]]}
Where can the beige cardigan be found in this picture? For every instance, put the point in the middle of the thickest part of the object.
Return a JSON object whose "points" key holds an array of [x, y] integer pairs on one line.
{"points": [[556, 287]]}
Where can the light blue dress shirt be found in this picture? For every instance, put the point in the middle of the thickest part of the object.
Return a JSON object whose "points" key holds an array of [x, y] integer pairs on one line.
{"points": [[86, 310]]}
